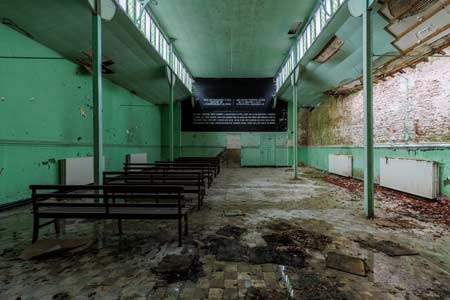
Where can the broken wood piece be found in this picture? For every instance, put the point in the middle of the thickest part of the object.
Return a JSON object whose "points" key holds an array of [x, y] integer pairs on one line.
{"points": [[53, 246], [346, 263]]}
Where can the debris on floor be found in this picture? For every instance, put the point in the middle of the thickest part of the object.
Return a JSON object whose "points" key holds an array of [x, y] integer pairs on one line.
{"points": [[287, 256], [346, 263], [388, 247], [264, 294], [286, 234], [232, 213], [235, 260], [315, 286], [49, 247], [300, 238], [437, 211], [174, 268], [231, 250], [231, 231], [396, 223], [62, 296]]}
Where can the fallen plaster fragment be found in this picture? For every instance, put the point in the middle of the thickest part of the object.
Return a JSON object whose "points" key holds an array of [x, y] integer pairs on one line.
{"points": [[388, 247], [232, 213], [55, 246], [346, 263]]}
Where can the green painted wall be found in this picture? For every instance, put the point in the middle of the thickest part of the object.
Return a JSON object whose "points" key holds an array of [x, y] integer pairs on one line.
{"points": [[211, 143], [46, 115], [317, 157]]}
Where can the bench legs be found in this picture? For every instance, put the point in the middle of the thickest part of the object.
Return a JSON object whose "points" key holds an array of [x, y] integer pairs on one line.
{"points": [[119, 225], [180, 230], [35, 228], [57, 227]]}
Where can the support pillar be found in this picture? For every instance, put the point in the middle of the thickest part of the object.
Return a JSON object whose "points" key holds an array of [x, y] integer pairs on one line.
{"points": [[368, 110], [97, 92], [294, 81], [172, 78]]}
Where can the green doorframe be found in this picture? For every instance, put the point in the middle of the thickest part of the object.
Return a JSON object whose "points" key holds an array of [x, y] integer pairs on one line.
{"points": [[97, 92], [368, 110]]}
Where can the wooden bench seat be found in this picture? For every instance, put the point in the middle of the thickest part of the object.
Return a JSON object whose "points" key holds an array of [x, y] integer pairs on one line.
{"points": [[191, 183], [207, 173], [83, 202], [215, 161]]}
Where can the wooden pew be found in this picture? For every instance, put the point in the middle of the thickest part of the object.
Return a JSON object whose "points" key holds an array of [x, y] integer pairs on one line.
{"points": [[83, 202], [210, 167], [193, 159], [141, 167], [192, 182]]}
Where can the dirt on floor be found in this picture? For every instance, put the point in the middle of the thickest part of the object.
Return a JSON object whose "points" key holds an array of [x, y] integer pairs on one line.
{"points": [[292, 239]]}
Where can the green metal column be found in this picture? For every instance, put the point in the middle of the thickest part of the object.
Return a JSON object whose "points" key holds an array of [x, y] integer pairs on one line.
{"points": [[368, 110], [97, 91], [294, 81], [171, 144], [171, 78]]}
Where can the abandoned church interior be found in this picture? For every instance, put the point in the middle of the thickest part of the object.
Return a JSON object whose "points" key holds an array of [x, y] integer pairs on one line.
{"points": [[225, 149]]}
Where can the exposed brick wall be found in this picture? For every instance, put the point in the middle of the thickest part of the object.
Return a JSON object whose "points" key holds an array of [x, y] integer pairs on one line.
{"points": [[413, 107]]}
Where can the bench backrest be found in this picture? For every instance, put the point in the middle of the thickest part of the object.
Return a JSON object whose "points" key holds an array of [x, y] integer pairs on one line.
{"points": [[104, 192], [176, 178], [205, 169]]}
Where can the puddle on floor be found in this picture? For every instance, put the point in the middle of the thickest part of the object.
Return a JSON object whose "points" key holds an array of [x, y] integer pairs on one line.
{"points": [[280, 218]]}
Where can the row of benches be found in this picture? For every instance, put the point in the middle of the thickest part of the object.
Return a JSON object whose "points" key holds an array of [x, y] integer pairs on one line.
{"points": [[141, 191]]}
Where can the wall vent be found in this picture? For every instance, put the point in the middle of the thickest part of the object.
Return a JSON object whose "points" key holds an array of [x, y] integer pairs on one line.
{"points": [[416, 177], [340, 164]]}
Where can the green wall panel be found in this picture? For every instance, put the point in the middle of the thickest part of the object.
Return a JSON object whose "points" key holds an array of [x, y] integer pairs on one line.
{"points": [[317, 157], [46, 115], [211, 143]]}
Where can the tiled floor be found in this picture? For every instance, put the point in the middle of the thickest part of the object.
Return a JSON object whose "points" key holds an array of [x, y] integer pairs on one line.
{"points": [[120, 267]]}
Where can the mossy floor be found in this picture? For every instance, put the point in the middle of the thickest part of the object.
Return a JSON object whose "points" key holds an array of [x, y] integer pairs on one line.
{"points": [[122, 267]]}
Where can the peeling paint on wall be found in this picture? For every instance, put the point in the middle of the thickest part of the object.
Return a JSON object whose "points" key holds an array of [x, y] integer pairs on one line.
{"points": [[411, 120], [83, 112], [413, 107]]}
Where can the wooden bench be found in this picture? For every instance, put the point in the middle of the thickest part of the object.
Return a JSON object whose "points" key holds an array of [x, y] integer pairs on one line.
{"points": [[192, 182], [83, 202], [215, 161], [208, 165], [144, 167]]}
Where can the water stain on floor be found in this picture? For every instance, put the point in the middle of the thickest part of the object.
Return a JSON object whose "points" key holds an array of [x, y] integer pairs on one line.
{"points": [[276, 248]]}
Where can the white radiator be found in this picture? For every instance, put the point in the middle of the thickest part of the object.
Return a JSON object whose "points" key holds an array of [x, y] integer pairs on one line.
{"points": [[417, 177], [137, 158], [77, 170], [340, 164]]}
